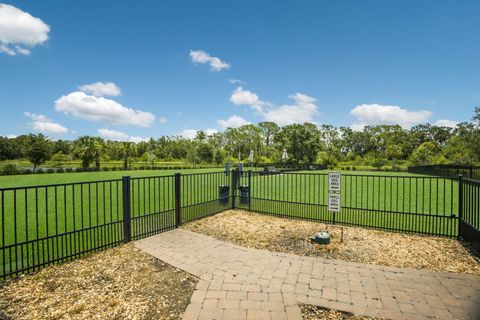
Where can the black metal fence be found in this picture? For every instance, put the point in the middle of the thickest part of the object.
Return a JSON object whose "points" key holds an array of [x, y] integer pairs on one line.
{"points": [[427, 205], [470, 212], [41, 225], [472, 172]]}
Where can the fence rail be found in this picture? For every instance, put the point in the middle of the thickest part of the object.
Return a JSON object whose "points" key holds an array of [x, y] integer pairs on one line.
{"points": [[471, 172], [41, 225]]}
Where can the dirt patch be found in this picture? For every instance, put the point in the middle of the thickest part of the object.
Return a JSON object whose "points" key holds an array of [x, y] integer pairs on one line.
{"points": [[310, 312], [119, 283], [359, 245]]}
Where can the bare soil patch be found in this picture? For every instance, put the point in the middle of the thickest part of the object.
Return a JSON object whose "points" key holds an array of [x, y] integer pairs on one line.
{"points": [[119, 283], [359, 245], [311, 312]]}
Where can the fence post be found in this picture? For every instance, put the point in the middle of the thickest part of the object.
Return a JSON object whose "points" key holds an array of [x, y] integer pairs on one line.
{"points": [[127, 236], [178, 203], [249, 190], [234, 183], [460, 203]]}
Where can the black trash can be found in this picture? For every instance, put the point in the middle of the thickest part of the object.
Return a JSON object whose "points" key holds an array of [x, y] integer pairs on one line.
{"points": [[223, 194], [244, 195]]}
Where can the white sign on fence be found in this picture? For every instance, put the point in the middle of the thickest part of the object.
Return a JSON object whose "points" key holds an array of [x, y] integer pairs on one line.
{"points": [[334, 202], [334, 181]]}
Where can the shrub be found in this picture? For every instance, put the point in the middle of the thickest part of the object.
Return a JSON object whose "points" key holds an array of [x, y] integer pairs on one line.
{"points": [[69, 170], [106, 169], [27, 171], [60, 170], [79, 170], [10, 169], [40, 171], [50, 170], [354, 168]]}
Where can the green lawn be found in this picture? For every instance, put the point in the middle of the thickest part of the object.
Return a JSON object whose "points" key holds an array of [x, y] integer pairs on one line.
{"points": [[87, 212], [397, 201]]}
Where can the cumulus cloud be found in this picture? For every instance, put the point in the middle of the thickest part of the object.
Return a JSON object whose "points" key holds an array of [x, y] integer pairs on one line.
{"points": [[209, 132], [188, 133], [20, 31], [446, 123], [45, 125], [101, 89], [79, 104], [200, 56], [302, 110], [233, 122], [245, 97], [118, 136], [377, 114]]}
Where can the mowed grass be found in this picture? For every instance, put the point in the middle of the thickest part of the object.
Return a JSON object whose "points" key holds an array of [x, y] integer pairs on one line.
{"points": [[87, 211], [397, 201]]}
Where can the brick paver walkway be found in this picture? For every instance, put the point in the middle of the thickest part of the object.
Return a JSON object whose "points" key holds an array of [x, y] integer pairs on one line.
{"points": [[243, 283]]}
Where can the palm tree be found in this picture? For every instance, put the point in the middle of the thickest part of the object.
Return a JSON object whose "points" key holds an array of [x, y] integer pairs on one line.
{"points": [[86, 148], [128, 149]]}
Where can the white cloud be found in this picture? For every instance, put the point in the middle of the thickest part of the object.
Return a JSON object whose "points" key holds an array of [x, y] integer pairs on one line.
{"points": [[192, 133], [377, 114], [138, 139], [162, 120], [236, 81], [43, 124], [11, 136], [81, 105], [188, 133], [446, 123], [209, 132], [233, 122], [20, 31], [108, 134], [245, 97], [202, 57], [101, 89], [303, 110]]}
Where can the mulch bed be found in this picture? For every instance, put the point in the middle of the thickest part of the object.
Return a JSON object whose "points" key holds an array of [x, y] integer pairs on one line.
{"points": [[360, 244], [311, 312], [119, 283]]}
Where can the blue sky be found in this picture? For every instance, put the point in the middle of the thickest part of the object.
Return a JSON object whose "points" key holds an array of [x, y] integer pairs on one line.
{"points": [[346, 63]]}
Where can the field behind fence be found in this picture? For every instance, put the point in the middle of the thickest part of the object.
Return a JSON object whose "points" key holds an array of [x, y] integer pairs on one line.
{"points": [[44, 224]]}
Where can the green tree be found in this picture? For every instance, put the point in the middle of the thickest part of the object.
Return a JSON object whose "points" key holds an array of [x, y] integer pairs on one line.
{"points": [[39, 150], [205, 152], [88, 149], [302, 142], [424, 153], [128, 150]]}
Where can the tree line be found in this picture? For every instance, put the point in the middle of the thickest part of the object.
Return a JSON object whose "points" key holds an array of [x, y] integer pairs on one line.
{"points": [[304, 143]]}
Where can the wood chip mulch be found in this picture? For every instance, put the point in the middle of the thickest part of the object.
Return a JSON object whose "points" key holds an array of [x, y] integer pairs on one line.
{"points": [[360, 244], [311, 312], [118, 283]]}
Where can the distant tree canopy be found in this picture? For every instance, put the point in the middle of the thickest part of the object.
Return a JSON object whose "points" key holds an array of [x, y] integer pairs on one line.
{"points": [[304, 143]]}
